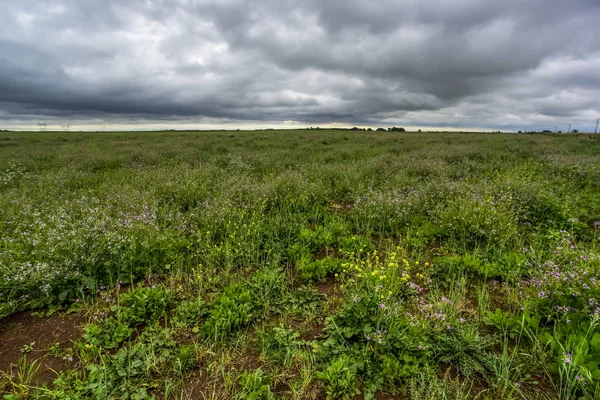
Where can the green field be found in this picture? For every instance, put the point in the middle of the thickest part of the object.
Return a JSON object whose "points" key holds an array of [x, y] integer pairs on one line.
{"points": [[299, 265]]}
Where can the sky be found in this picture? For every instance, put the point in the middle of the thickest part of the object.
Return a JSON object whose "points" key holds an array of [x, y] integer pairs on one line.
{"points": [[434, 64]]}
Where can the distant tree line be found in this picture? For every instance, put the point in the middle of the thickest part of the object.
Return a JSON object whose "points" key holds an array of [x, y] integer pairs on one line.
{"points": [[392, 129], [549, 131]]}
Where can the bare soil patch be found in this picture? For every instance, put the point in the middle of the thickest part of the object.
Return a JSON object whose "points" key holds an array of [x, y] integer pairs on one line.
{"points": [[23, 329]]}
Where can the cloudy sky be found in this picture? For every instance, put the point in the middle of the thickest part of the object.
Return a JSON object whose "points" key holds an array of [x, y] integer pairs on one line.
{"points": [[497, 64]]}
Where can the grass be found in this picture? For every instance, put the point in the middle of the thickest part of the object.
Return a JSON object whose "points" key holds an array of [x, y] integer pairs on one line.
{"points": [[306, 264]]}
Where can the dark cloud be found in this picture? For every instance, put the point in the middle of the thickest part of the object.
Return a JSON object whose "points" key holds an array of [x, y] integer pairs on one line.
{"points": [[463, 63]]}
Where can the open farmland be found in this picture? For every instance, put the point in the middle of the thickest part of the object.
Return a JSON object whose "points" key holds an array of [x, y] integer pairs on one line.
{"points": [[299, 265]]}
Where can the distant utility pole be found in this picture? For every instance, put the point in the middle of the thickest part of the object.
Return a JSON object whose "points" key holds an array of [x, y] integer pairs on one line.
{"points": [[569, 131], [596, 130]]}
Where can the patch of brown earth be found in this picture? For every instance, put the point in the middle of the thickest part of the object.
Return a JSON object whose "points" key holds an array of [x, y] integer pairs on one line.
{"points": [[204, 385], [327, 252], [308, 330], [249, 360], [333, 296], [389, 396], [327, 287], [200, 385], [23, 329], [433, 250]]}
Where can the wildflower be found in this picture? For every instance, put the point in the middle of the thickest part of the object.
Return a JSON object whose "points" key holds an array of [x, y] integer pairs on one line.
{"points": [[567, 358], [446, 300]]}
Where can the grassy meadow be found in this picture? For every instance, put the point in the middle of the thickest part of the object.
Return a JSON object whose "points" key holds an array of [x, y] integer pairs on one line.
{"points": [[299, 265]]}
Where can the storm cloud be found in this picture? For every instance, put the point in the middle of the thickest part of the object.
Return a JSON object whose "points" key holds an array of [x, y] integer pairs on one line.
{"points": [[512, 64]]}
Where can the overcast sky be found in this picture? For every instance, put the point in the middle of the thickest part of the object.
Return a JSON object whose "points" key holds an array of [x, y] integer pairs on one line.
{"points": [[497, 64]]}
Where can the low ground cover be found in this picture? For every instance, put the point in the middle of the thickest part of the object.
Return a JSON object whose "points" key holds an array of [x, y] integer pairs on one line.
{"points": [[299, 264]]}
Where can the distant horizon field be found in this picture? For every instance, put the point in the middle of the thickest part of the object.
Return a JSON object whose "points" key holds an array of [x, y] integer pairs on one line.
{"points": [[373, 129], [299, 264]]}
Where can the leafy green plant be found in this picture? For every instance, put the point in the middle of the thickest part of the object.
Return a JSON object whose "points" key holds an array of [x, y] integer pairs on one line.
{"points": [[317, 270], [185, 360], [282, 344], [303, 302], [142, 305], [256, 385], [395, 371], [464, 347], [501, 320], [108, 334], [577, 353], [189, 313], [267, 288], [517, 324], [127, 373], [340, 379], [231, 310]]}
